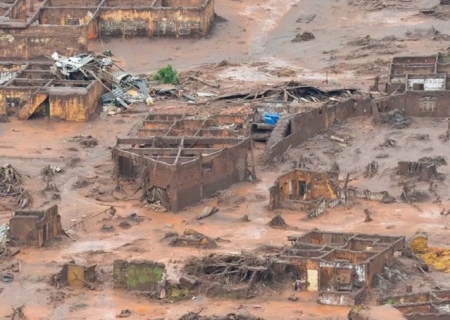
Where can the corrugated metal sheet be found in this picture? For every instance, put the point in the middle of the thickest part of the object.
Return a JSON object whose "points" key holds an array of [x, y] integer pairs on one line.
{"points": [[6, 76], [142, 85], [4, 234], [111, 96], [120, 75]]}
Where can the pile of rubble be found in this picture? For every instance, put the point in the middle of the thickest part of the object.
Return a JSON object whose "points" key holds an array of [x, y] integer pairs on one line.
{"points": [[230, 316], [123, 89]]}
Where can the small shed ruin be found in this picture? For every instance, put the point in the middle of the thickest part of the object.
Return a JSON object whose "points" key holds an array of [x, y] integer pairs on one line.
{"points": [[35, 227]]}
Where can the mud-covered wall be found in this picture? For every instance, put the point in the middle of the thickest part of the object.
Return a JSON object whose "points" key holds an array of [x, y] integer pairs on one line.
{"points": [[422, 103], [22, 94], [34, 227], [209, 174], [74, 104], [294, 130], [160, 20], [67, 29], [341, 298], [378, 262], [40, 41], [287, 186], [66, 16], [141, 275]]}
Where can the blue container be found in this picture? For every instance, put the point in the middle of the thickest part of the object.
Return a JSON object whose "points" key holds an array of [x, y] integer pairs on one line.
{"points": [[271, 118]]}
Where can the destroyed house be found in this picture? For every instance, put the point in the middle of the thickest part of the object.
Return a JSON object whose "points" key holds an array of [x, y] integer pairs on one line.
{"points": [[30, 89], [293, 129], [66, 26], [302, 185], [340, 266], [35, 227], [419, 86], [183, 159], [425, 305]]}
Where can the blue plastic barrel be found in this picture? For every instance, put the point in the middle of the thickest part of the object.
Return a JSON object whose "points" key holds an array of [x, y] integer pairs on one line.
{"points": [[271, 118]]}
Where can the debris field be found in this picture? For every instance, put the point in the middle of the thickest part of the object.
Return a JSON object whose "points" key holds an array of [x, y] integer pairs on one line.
{"points": [[224, 160]]}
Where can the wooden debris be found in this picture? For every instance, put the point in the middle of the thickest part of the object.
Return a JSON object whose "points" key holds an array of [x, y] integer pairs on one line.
{"points": [[368, 217], [337, 139], [208, 211]]}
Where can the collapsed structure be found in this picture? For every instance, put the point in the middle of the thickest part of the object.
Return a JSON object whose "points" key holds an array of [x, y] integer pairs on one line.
{"points": [[423, 305], [67, 26], [29, 88], [182, 159], [302, 185], [339, 266]]}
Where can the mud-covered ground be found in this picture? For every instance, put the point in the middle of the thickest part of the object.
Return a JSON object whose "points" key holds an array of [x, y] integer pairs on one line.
{"points": [[353, 42]]}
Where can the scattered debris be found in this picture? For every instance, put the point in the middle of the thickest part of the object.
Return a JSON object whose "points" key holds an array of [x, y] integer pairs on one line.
{"points": [[395, 119], [421, 136], [79, 67], [190, 237], [438, 160], [382, 156], [306, 18], [245, 218], [293, 298], [410, 194], [107, 228], [305, 36], [7, 277], [125, 225], [208, 211], [85, 141], [368, 217], [230, 198], [230, 316], [18, 314], [371, 170], [388, 143], [124, 313], [81, 182], [337, 139], [278, 222]]}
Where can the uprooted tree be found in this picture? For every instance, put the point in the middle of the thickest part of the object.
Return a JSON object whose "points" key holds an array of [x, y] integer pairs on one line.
{"points": [[11, 186]]}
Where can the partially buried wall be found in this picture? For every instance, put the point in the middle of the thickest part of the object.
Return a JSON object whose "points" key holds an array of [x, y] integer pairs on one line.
{"points": [[35, 227], [422, 103], [140, 275], [196, 177], [294, 130]]}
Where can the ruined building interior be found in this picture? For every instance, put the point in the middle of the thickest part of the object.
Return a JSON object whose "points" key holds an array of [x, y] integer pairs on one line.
{"points": [[182, 159], [31, 89], [338, 265], [67, 26]]}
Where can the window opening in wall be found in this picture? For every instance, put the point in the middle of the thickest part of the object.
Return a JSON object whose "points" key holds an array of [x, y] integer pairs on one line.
{"points": [[418, 87], [291, 189], [302, 188], [208, 165], [289, 129], [427, 104]]}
